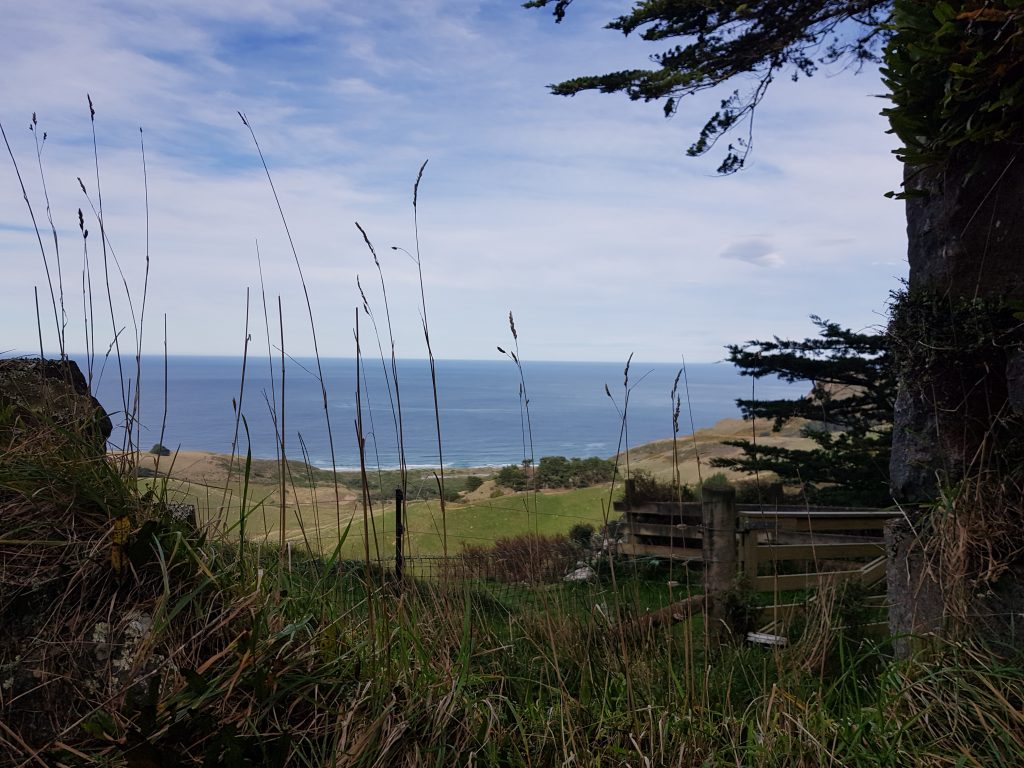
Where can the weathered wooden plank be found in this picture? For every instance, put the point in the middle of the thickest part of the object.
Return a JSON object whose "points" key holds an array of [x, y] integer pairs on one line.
{"points": [[637, 549], [877, 629], [785, 611], [817, 537], [694, 507], [677, 532], [782, 612], [690, 508], [816, 524], [646, 517], [767, 639], [751, 510], [686, 507], [787, 581], [873, 572], [766, 553]]}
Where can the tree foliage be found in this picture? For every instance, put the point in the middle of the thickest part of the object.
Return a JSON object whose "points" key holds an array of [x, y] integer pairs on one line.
{"points": [[512, 476], [557, 472], [560, 472], [955, 71], [849, 409], [711, 44]]}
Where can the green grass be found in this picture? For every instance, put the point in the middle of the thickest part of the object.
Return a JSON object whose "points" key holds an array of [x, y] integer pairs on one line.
{"points": [[475, 523], [482, 522], [252, 659]]}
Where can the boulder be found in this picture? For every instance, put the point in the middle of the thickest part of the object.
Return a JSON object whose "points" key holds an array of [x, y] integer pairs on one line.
{"points": [[582, 572], [49, 396]]}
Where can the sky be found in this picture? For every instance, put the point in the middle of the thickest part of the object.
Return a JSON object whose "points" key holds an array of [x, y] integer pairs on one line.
{"points": [[582, 216]]}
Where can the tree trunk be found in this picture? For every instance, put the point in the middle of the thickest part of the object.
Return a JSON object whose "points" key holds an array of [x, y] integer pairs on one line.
{"points": [[965, 232], [959, 419]]}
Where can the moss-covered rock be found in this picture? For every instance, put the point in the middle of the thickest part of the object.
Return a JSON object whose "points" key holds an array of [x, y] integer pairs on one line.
{"points": [[52, 396]]}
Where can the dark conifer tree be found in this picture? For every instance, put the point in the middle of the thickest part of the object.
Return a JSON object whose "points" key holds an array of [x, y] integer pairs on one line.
{"points": [[848, 409]]}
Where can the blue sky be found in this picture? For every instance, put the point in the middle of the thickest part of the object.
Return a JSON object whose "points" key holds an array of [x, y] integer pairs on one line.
{"points": [[583, 216]]}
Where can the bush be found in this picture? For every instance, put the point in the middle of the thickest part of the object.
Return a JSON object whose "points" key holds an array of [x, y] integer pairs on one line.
{"points": [[472, 483], [646, 487], [513, 476], [557, 472], [530, 558], [160, 449], [582, 534], [554, 472], [717, 482], [560, 472]]}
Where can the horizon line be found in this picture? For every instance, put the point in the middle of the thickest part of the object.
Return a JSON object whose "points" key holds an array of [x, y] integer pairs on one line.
{"points": [[497, 359]]}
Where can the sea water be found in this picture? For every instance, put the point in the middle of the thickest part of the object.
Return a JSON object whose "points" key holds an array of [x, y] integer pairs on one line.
{"points": [[489, 415]]}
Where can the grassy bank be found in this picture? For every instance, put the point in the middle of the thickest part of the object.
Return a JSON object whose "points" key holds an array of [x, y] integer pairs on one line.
{"points": [[134, 640], [214, 655]]}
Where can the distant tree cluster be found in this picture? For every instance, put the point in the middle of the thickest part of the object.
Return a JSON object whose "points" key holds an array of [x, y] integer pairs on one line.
{"points": [[513, 476], [560, 472], [557, 472]]}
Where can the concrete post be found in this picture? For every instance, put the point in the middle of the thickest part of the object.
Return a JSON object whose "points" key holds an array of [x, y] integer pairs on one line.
{"points": [[916, 604], [720, 551]]}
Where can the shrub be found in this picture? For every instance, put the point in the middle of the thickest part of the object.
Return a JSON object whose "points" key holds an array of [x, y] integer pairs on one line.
{"points": [[717, 482], [582, 534], [472, 483], [644, 487], [530, 558], [557, 472], [560, 472], [554, 472], [513, 476], [160, 449]]}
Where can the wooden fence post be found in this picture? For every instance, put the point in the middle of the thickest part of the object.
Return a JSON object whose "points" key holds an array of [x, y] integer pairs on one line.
{"points": [[748, 549], [719, 550]]}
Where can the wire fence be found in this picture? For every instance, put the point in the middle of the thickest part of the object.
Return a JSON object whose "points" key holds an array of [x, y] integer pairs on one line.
{"points": [[565, 580]]}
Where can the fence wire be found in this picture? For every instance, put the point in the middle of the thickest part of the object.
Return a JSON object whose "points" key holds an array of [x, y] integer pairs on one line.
{"points": [[514, 583]]}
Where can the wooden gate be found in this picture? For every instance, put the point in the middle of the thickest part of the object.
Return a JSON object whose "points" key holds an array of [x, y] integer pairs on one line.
{"points": [[778, 550]]}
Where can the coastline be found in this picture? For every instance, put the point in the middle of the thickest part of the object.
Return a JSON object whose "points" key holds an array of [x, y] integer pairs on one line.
{"points": [[210, 468]]}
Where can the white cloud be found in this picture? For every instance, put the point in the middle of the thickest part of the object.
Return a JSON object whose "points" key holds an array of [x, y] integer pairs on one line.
{"points": [[582, 215], [753, 251]]}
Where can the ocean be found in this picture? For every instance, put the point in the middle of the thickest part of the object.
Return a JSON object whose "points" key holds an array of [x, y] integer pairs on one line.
{"points": [[482, 422]]}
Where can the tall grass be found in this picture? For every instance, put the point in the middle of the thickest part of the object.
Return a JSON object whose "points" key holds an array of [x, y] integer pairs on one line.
{"points": [[312, 322], [526, 423], [35, 226], [153, 642], [333, 668], [430, 356]]}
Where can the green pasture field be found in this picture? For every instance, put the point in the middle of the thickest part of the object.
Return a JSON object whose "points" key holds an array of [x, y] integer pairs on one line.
{"points": [[315, 518]]}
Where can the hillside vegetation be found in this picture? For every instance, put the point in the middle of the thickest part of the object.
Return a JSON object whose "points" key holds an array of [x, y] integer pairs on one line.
{"points": [[136, 640]]}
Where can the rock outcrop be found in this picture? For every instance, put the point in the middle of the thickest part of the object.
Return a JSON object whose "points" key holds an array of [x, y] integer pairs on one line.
{"points": [[52, 396]]}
